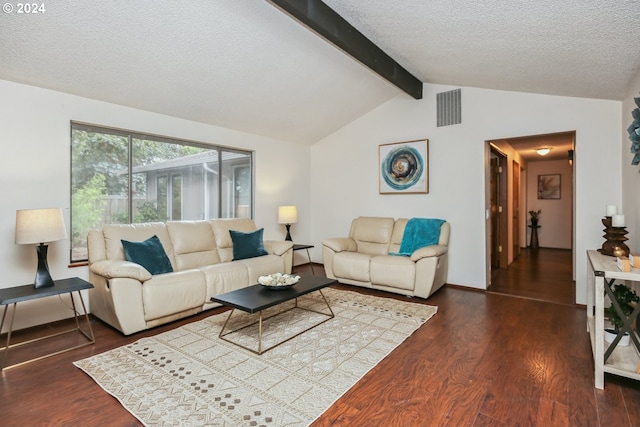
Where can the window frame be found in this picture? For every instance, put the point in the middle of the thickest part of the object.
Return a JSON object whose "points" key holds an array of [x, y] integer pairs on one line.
{"points": [[131, 135]]}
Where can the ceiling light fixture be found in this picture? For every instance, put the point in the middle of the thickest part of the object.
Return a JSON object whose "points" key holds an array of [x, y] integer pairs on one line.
{"points": [[543, 151]]}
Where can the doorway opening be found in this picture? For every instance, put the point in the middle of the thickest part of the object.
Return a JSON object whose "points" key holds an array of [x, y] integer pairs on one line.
{"points": [[518, 181]]}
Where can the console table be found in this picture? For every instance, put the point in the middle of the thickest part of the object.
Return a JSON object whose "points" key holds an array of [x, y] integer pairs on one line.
{"points": [[602, 272], [12, 296]]}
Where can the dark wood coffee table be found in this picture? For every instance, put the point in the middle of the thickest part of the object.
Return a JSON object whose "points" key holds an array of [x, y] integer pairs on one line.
{"points": [[256, 298]]}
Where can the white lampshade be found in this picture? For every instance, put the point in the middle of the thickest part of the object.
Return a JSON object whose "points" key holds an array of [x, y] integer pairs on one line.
{"points": [[287, 215], [543, 151], [39, 226]]}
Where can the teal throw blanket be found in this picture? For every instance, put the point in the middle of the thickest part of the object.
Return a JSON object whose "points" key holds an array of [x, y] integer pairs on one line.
{"points": [[418, 233]]}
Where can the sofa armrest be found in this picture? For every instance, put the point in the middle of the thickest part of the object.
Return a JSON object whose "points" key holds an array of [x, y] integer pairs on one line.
{"points": [[340, 244], [120, 269], [428, 251], [277, 247]]}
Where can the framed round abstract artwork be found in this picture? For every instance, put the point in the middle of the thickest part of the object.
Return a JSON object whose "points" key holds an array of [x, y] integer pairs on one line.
{"points": [[404, 167]]}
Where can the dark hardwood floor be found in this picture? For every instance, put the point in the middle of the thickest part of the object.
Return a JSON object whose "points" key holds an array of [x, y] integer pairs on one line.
{"points": [[544, 274], [484, 359]]}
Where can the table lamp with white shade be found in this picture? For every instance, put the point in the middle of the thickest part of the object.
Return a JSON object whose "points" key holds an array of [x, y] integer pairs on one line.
{"points": [[287, 215], [40, 226]]}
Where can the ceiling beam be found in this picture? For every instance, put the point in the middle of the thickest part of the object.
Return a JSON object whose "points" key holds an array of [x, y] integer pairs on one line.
{"points": [[326, 22]]}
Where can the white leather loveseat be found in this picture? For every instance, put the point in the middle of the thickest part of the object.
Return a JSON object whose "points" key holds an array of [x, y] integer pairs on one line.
{"points": [[129, 298], [363, 258]]}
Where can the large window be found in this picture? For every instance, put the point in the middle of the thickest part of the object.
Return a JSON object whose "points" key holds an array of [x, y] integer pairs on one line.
{"points": [[121, 177]]}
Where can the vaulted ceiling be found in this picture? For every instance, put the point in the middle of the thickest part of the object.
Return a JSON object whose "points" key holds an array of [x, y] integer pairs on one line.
{"points": [[246, 65]]}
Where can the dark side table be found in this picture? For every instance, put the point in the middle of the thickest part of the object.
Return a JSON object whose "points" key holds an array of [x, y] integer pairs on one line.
{"points": [[12, 296], [305, 247]]}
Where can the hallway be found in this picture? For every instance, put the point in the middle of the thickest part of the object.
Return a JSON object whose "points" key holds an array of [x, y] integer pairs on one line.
{"points": [[543, 274]]}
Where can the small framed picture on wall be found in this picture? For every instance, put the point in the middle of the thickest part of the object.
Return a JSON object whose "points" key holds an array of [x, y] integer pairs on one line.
{"points": [[549, 186]]}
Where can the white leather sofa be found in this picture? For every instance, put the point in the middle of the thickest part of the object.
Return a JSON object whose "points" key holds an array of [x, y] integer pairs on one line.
{"points": [[129, 298], [363, 259]]}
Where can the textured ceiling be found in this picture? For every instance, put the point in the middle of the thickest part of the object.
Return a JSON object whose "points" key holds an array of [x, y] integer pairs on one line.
{"points": [[246, 65], [582, 48]]}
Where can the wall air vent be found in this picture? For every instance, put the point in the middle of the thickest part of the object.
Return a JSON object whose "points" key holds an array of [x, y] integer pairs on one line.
{"points": [[449, 107]]}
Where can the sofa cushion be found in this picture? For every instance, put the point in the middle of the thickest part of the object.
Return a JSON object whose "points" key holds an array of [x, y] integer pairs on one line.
{"points": [[398, 232], [221, 229], [419, 233], [372, 234], [352, 265], [149, 253], [194, 244], [167, 294], [224, 277], [262, 266], [247, 245], [114, 233], [393, 271]]}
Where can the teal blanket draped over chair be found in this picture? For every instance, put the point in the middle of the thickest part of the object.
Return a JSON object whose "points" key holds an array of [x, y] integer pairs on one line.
{"points": [[418, 233]]}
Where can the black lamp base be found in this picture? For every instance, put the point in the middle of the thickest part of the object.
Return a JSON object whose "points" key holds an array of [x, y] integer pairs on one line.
{"points": [[43, 278], [288, 232]]}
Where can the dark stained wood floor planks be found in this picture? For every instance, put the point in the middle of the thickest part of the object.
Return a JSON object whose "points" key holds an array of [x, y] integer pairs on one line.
{"points": [[544, 274], [484, 359]]}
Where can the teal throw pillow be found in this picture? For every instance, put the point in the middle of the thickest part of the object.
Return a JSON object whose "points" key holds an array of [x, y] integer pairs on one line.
{"points": [[247, 245], [150, 254]]}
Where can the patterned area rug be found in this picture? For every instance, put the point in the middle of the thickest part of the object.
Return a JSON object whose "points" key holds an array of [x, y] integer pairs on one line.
{"points": [[190, 377]]}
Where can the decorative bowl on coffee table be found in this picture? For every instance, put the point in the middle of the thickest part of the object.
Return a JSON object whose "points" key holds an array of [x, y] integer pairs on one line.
{"points": [[278, 281]]}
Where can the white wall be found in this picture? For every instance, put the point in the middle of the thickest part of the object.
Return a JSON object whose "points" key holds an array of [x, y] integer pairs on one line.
{"points": [[344, 168], [555, 220], [34, 173], [630, 174]]}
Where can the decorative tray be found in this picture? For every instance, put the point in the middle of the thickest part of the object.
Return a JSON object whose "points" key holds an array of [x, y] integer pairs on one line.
{"points": [[278, 281]]}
